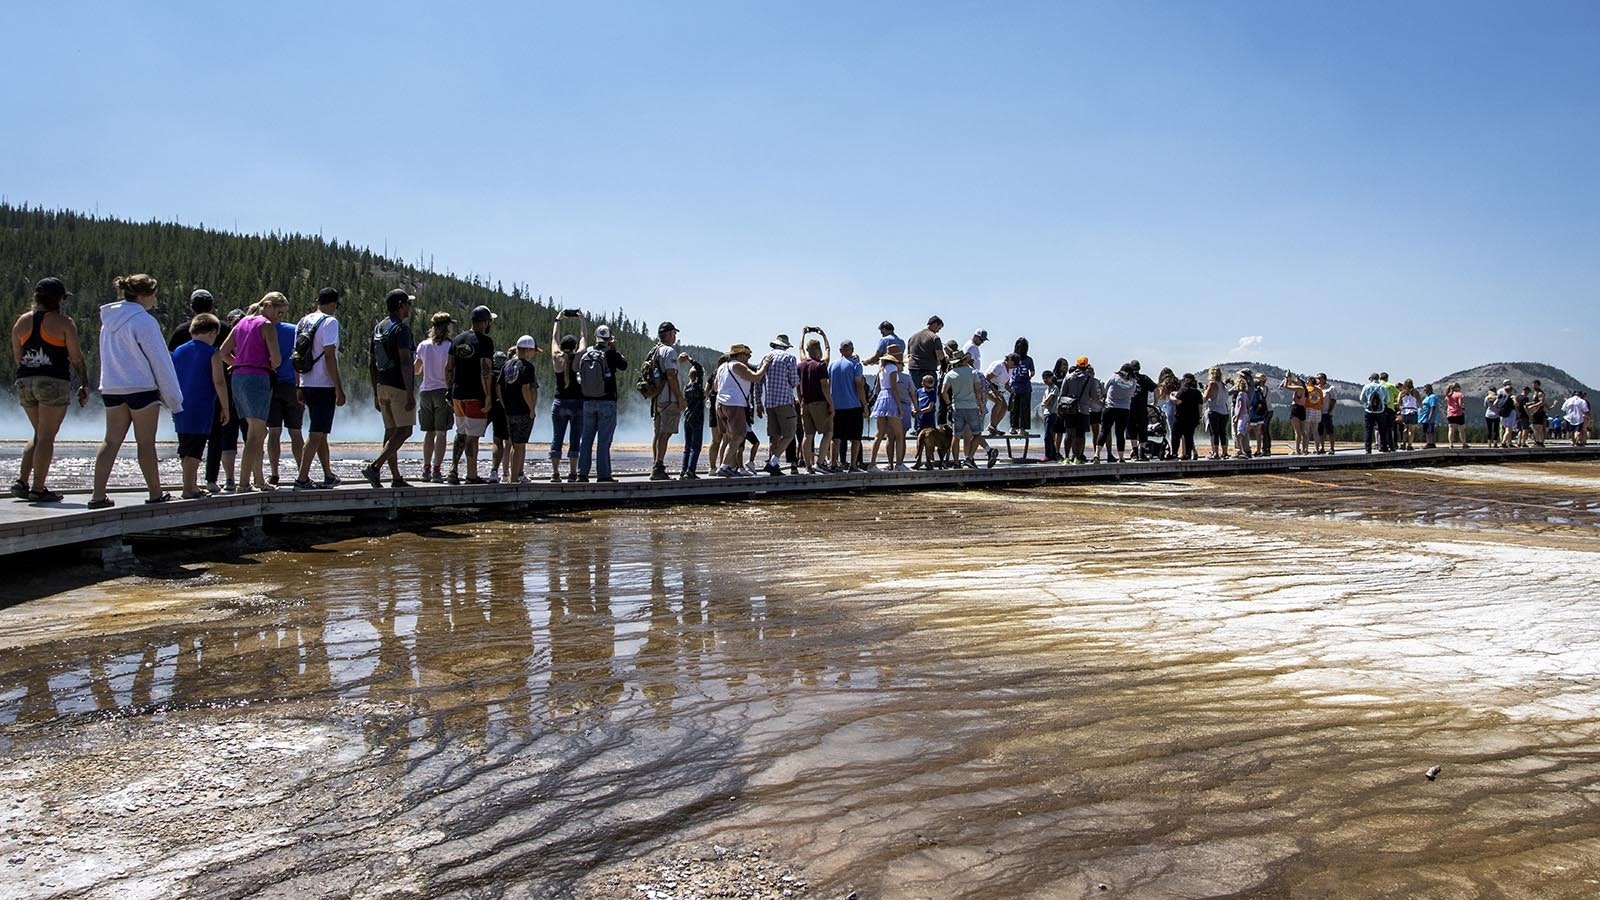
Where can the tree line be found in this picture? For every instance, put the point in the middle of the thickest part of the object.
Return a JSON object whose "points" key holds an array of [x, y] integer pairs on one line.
{"points": [[87, 252]]}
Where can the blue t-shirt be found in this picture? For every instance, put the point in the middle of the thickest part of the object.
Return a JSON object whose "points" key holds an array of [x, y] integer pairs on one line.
{"points": [[842, 375], [285, 353], [888, 341], [1022, 376], [193, 363], [929, 398]]}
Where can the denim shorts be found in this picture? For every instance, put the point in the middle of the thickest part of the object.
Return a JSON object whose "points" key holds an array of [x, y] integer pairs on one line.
{"points": [[252, 395]]}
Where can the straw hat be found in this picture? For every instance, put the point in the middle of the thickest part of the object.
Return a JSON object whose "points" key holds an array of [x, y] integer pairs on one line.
{"points": [[737, 349], [893, 352]]}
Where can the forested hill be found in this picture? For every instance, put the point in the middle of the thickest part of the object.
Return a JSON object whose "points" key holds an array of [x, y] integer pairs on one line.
{"points": [[88, 252]]}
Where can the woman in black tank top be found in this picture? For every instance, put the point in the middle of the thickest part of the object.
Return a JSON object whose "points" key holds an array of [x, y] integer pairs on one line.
{"points": [[44, 343]]}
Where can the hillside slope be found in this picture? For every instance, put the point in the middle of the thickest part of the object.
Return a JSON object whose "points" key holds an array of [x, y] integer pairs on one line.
{"points": [[88, 252]]}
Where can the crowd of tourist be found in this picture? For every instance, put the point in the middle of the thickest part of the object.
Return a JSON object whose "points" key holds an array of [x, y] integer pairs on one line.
{"points": [[254, 373]]}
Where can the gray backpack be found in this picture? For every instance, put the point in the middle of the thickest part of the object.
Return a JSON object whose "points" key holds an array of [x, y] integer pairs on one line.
{"points": [[593, 373]]}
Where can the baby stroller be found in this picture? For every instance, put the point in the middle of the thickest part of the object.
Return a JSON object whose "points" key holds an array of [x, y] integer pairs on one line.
{"points": [[1156, 439]]}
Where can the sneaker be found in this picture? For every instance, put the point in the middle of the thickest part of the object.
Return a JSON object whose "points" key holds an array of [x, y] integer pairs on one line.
{"points": [[725, 472], [811, 470], [581, 479], [690, 476], [605, 479], [304, 484], [230, 487], [901, 468], [398, 482], [372, 475], [273, 478], [573, 478], [994, 454], [213, 487], [522, 479], [494, 477], [454, 478], [473, 479], [659, 472], [330, 480], [773, 469]]}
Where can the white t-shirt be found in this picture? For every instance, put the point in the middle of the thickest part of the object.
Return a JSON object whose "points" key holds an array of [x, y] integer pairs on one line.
{"points": [[323, 342], [433, 357], [1000, 374], [976, 352], [1575, 408]]}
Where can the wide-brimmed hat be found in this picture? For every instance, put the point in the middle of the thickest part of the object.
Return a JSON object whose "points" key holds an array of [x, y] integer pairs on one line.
{"points": [[781, 342], [893, 352], [737, 349], [960, 358]]}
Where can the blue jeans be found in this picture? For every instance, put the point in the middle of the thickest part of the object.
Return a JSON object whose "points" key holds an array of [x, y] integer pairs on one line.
{"points": [[694, 436], [564, 414], [599, 419]]}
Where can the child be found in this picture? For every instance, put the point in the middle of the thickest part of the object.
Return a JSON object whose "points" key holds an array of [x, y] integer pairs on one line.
{"points": [[200, 375], [927, 398], [694, 415]]}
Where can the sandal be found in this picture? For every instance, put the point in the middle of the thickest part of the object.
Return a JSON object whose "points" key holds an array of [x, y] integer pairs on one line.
{"points": [[45, 496], [197, 495], [161, 499], [102, 503], [19, 489]]}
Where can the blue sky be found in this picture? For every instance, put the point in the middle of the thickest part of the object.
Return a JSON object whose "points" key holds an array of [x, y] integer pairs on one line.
{"points": [[1407, 186]]}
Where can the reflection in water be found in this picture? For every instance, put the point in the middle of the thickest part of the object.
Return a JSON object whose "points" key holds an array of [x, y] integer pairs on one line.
{"points": [[1202, 688]]}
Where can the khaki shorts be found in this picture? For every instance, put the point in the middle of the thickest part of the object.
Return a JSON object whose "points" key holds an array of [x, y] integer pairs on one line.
{"points": [[42, 390], [818, 418], [668, 417], [433, 408], [392, 404], [782, 422]]}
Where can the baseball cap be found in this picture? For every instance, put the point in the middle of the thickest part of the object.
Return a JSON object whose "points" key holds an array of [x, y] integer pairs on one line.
{"points": [[201, 300], [602, 333], [327, 295], [50, 288], [666, 327], [980, 336], [482, 314], [1083, 361], [526, 342]]}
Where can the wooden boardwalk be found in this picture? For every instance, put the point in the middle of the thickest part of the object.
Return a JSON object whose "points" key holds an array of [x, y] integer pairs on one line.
{"points": [[25, 527]]}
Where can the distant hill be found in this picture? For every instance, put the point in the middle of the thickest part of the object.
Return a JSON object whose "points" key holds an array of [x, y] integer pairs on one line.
{"points": [[87, 252], [1475, 382], [1479, 380], [1346, 392]]}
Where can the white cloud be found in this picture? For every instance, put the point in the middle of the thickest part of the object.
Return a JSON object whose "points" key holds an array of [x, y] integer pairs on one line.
{"points": [[1247, 345]]}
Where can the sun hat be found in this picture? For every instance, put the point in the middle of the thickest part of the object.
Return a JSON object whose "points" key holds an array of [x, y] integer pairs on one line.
{"points": [[893, 352], [737, 349], [781, 342]]}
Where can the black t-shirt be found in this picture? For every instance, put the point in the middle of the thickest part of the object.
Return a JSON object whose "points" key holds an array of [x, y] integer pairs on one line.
{"points": [[468, 348], [922, 351], [1189, 400], [401, 347], [517, 372]]}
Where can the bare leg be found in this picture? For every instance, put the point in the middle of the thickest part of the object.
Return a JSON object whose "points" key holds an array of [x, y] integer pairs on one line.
{"points": [[117, 421], [144, 436], [41, 450]]}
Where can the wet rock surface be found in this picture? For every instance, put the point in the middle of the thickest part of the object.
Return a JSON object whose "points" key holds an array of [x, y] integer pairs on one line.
{"points": [[1213, 688]]}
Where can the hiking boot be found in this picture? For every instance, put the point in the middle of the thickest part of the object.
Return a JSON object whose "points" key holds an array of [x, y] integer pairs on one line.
{"points": [[659, 472]]}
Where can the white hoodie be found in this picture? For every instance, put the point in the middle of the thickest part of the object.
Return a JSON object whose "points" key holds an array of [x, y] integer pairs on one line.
{"points": [[133, 354]]}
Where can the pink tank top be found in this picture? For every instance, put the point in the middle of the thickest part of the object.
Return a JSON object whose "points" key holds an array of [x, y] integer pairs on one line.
{"points": [[249, 351]]}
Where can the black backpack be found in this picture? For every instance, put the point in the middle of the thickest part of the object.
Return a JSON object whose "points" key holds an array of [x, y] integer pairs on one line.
{"points": [[382, 356], [1506, 404], [305, 337], [1376, 401]]}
